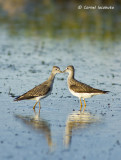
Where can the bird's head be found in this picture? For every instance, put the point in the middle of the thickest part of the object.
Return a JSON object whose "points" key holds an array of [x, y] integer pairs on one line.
{"points": [[56, 70], [69, 69]]}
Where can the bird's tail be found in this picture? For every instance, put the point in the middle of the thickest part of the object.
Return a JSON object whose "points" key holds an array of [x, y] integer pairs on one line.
{"points": [[105, 92], [18, 98]]}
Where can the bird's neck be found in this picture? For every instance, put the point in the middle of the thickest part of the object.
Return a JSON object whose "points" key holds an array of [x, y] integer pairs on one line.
{"points": [[71, 75], [52, 76]]}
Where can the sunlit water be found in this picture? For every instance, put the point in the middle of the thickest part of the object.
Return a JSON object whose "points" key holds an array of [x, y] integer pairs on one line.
{"points": [[60, 131], [25, 63]]}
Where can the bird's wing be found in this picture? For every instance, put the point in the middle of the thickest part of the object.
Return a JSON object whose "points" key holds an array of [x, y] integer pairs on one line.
{"points": [[79, 88], [37, 91]]}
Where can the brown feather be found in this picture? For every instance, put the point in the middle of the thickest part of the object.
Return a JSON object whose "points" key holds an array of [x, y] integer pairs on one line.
{"points": [[37, 91], [80, 87]]}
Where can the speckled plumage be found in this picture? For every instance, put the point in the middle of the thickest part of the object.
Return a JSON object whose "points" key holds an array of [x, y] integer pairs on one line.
{"points": [[41, 90], [80, 89]]}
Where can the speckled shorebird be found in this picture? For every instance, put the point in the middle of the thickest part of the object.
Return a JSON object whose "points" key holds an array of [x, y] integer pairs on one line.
{"points": [[80, 89], [42, 90]]}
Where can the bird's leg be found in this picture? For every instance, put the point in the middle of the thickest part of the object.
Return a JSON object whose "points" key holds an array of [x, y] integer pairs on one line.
{"points": [[39, 107], [81, 104], [34, 112], [84, 105], [35, 105]]}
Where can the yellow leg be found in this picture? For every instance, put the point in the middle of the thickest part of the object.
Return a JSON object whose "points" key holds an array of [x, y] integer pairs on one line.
{"points": [[34, 111], [81, 104], [84, 105], [35, 105], [39, 107]]}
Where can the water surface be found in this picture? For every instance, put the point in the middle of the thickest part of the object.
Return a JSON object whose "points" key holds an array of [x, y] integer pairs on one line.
{"points": [[27, 54]]}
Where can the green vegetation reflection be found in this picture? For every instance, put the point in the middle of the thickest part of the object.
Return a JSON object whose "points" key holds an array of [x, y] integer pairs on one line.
{"points": [[60, 19]]}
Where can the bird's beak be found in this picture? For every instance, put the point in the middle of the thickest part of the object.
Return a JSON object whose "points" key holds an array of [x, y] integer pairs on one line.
{"points": [[61, 71], [64, 71]]}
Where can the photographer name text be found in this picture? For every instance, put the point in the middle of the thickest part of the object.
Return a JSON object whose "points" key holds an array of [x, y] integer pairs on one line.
{"points": [[95, 7]]}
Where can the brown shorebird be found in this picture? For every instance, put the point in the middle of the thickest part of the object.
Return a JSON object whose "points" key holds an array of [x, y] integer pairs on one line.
{"points": [[80, 89], [42, 90]]}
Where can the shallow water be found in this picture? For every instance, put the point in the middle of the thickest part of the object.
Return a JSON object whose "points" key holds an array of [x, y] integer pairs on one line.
{"points": [[60, 131], [25, 64]]}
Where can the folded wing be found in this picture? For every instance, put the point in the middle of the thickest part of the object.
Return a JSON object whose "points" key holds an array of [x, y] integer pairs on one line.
{"points": [[37, 91]]}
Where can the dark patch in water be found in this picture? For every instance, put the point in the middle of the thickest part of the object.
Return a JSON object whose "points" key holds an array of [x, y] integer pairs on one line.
{"points": [[11, 94], [32, 71], [11, 66], [61, 79], [115, 84]]}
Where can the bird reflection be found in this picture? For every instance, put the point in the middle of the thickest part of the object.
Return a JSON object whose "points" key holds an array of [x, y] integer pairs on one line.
{"points": [[38, 124], [77, 120]]}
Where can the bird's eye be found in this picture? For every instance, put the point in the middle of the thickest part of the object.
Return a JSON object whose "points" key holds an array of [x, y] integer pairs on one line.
{"points": [[67, 68], [56, 69]]}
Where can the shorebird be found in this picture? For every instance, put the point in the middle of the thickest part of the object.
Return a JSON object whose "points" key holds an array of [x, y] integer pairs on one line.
{"points": [[80, 89], [40, 91]]}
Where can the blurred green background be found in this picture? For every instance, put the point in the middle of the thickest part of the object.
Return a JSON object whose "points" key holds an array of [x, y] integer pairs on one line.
{"points": [[61, 19]]}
